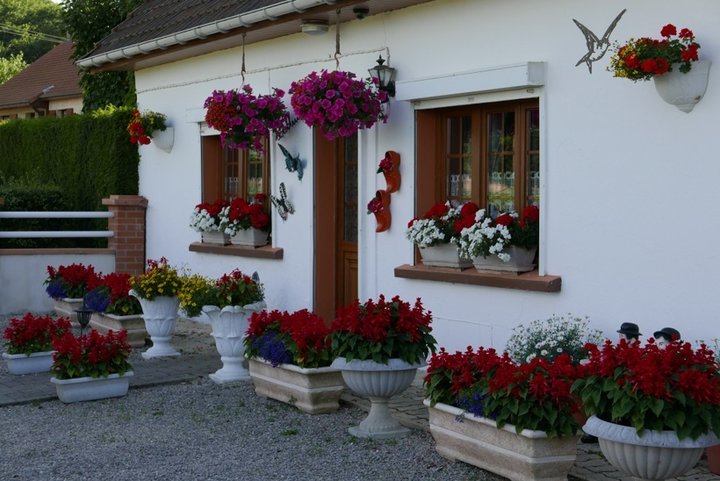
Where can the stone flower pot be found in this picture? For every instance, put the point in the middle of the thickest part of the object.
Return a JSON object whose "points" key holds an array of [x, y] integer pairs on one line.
{"points": [[160, 315]]}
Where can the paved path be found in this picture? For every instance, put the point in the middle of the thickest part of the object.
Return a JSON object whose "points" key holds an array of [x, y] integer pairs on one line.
{"points": [[200, 358]]}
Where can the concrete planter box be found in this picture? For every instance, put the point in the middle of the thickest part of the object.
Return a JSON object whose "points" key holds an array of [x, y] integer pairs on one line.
{"points": [[215, 237], [314, 391], [444, 255], [521, 260], [66, 308], [250, 237], [527, 456], [20, 364], [92, 388], [134, 325]]}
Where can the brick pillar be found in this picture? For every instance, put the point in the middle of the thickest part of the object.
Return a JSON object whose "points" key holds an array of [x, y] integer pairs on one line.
{"points": [[128, 224]]}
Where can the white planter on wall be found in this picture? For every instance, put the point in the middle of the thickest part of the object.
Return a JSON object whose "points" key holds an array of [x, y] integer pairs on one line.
{"points": [[164, 139], [684, 90]]}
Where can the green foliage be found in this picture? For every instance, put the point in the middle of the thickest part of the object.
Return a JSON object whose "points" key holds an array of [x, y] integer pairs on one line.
{"points": [[11, 66], [68, 163], [88, 21], [28, 18]]}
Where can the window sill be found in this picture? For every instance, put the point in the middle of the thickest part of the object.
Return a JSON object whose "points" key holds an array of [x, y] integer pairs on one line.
{"points": [[529, 281], [264, 252]]}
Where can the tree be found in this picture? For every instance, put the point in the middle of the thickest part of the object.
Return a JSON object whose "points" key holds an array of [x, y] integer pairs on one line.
{"points": [[25, 25], [88, 21], [10, 66]]}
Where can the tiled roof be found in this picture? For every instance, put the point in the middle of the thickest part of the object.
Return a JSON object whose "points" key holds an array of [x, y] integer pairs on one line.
{"points": [[55, 68], [157, 18]]}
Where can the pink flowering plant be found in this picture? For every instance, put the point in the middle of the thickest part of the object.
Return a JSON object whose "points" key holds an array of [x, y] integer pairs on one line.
{"points": [[337, 102], [644, 58], [244, 119]]}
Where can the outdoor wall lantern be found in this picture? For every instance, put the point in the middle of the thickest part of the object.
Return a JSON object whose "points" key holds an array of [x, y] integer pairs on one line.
{"points": [[314, 27], [385, 76], [83, 316]]}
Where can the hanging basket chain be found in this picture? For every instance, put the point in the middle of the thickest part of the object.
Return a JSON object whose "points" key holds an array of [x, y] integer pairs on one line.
{"points": [[337, 40], [242, 68]]}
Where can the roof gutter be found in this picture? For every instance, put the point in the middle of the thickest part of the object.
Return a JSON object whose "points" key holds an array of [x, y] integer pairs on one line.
{"points": [[203, 31]]}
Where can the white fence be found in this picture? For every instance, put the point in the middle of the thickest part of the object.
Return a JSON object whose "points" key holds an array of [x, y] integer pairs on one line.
{"points": [[23, 271]]}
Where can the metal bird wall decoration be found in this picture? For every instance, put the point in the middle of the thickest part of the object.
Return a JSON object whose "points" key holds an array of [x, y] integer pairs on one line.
{"points": [[282, 205], [292, 164], [597, 47]]}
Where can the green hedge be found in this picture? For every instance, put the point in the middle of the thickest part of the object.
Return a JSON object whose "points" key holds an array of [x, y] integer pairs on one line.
{"points": [[89, 157], [68, 163]]}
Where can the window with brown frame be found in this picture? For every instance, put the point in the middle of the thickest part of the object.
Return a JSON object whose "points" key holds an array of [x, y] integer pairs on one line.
{"points": [[228, 173], [486, 153]]}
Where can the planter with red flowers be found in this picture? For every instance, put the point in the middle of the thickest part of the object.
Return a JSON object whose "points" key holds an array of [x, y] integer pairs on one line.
{"points": [[28, 342], [337, 102], [210, 219], [654, 409], [507, 243], [512, 419], [247, 223], [379, 345], [389, 167], [227, 302], [672, 62], [91, 367], [146, 126], [436, 235], [245, 120], [67, 285], [115, 310], [289, 359]]}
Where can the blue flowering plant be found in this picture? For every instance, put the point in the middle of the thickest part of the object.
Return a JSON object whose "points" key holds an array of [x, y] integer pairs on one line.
{"points": [[111, 296], [299, 338]]}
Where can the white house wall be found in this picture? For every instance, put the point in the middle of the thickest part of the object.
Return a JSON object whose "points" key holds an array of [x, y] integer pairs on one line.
{"points": [[630, 183]]}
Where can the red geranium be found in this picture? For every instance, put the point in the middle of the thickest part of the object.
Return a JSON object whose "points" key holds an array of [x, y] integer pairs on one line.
{"points": [[381, 330], [33, 333], [93, 355], [648, 387], [243, 214], [302, 334]]}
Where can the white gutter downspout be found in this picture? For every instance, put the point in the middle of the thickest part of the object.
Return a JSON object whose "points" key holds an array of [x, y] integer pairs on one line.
{"points": [[203, 31]]}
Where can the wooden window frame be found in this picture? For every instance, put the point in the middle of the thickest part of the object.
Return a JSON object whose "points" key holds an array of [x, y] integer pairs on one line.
{"points": [[214, 170]]}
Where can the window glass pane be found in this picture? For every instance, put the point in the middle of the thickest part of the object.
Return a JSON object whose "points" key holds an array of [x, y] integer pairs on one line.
{"points": [[532, 157], [459, 158], [501, 174], [255, 174], [231, 173], [350, 189]]}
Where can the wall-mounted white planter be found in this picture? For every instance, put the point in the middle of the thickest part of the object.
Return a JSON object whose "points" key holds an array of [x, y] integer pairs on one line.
{"points": [[684, 90], [164, 139]]}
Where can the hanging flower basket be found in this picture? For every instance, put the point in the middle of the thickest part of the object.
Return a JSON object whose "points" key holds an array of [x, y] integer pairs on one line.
{"points": [[337, 102], [245, 120], [145, 125]]}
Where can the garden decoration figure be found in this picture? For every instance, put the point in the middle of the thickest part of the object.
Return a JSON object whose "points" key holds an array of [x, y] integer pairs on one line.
{"points": [[629, 331], [665, 336]]}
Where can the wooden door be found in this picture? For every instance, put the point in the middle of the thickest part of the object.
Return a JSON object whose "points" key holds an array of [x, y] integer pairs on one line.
{"points": [[336, 230]]}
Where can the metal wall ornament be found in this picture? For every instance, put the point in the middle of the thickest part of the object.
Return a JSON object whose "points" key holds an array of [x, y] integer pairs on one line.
{"points": [[292, 163], [283, 206], [597, 47]]}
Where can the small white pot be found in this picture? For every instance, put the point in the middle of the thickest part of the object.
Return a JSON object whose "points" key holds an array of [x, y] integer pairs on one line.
{"points": [[250, 237], [92, 388], [684, 90], [164, 139], [20, 364], [160, 315]]}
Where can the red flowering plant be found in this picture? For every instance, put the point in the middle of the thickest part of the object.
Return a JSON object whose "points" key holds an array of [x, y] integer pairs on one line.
{"points": [[245, 120], [92, 355], [33, 333], [143, 125], [481, 235], [111, 296], [71, 281], [381, 330], [233, 289], [242, 215], [675, 388], [535, 395], [210, 217], [337, 102], [299, 338], [644, 58]]}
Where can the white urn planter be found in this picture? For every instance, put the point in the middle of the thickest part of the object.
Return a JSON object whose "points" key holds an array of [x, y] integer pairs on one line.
{"points": [[92, 388], [524, 456], [683, 90], [160, 315], [377, 382], [133, 325], [311, 390], [521, 260], [656, 455], [250, 237], [229, 325], [444, 255], [20, 364], [215, 237]]}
